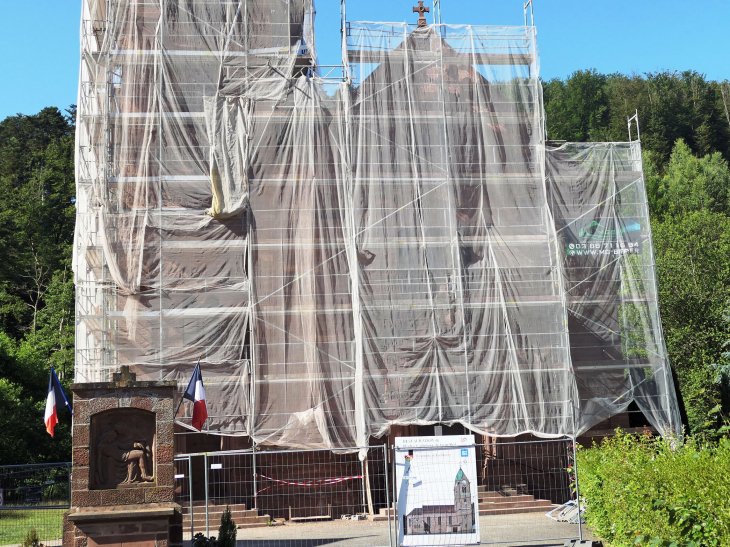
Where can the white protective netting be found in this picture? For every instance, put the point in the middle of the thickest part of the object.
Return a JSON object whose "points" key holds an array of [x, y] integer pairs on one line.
{"points": [[391, 249]]}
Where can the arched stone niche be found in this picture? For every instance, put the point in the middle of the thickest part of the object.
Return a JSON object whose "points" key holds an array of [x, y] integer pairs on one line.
{"points": [[122, 444]]}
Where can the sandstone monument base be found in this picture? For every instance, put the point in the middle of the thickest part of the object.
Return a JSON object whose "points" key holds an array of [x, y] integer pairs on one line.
{"points": [[122, 479]]}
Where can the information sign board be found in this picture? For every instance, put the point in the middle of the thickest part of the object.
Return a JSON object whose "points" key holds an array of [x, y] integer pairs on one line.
{"points": [[438, 500]]}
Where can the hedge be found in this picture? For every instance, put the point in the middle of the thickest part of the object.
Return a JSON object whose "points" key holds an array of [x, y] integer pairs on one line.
{"points": [[642, 490]]}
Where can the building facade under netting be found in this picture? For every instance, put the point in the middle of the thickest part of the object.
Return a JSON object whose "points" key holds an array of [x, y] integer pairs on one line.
{"points": [[396, 247]]}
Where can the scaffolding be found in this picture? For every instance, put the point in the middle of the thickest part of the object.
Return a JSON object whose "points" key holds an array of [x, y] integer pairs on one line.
{"points": [[396, 246]]}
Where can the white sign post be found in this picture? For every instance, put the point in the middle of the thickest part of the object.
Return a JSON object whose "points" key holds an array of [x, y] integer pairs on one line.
{"points": [[438, 499]]}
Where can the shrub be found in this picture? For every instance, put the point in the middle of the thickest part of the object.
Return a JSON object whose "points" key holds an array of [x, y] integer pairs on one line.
{"points": [[31, 538], [227, 531], [642, 490], [201, 541]]}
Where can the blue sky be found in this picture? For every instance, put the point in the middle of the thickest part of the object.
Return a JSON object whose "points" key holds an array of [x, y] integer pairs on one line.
{"points": [[39, 39]]}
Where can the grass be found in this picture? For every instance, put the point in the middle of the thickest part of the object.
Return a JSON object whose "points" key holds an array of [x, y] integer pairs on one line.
{"points": [[14, 524]]}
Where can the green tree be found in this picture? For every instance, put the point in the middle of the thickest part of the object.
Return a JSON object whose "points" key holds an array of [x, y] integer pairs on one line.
{"points": [[577, 109], [23, 388], [722, 378], [589, 106], [695, 184], [693, 270], [227, 531], [36, 214], [36, 285]]}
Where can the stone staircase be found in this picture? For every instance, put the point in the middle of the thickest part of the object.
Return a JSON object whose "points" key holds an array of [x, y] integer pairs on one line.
{"points": [[244, 518], [509, 502], [505, 502]]}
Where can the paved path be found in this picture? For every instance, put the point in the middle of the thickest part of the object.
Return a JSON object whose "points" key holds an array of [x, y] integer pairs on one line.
{"points": [[533, 529], [529, 529]]}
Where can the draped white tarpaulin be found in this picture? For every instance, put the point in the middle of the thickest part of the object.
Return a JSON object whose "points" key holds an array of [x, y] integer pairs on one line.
{"points": [[400, 247]]}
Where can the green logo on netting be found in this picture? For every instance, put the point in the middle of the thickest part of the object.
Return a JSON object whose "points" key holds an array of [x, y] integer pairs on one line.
{"points": [[596, 230]]}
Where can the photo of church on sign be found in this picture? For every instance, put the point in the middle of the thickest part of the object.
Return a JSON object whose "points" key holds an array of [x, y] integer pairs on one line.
{"points": [[445, 519]]}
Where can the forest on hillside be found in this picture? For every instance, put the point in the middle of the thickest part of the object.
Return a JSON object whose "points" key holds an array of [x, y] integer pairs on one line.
{"points": [[685, 133]]}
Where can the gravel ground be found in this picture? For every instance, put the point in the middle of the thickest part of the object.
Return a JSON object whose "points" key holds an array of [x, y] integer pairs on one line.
{"points": [[534, 529]]}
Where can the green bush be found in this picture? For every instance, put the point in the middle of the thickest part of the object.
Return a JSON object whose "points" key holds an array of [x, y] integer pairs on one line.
{"points": [[200, 540], [31, 539], [642, 490], [227, 531]]}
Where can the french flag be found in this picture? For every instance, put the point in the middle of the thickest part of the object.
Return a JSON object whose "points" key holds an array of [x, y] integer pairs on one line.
{"points": [[195, 393], [56, 397]]}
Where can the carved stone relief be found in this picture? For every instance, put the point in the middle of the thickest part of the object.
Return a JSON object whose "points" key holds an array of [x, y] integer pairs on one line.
{"points": [[122, 449]]}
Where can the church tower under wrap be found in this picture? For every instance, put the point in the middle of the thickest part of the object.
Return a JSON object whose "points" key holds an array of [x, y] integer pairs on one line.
{"points": [[398, 248]]}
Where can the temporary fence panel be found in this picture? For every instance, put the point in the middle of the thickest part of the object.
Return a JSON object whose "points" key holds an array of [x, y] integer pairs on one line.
{"points": [[391, 249], [34, 497], [520, 489], [279, 496], [184, 491], [436, 483], [522, 492], [524, 487]]}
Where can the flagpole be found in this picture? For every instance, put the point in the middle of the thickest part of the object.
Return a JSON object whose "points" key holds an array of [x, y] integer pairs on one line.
{"points": [[183, 398], [178, 408], [65, 399]]}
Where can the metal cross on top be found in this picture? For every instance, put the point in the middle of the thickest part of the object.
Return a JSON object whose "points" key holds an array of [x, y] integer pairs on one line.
{"points": [[420, 10]]}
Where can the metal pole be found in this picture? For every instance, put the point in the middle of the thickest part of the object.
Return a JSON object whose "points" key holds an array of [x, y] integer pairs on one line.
{"points": [[160, 167], [387, 495], [190, 488], [634, 118], [255, 479], [577, 488], [395, 497], [363, 474], [525, 7], [205, 463], [532, 14], [437, 12], [628, 122], [68, 466]]}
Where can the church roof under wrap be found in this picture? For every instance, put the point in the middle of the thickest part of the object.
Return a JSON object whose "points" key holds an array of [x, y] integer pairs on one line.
{"points": [[401, 247]]}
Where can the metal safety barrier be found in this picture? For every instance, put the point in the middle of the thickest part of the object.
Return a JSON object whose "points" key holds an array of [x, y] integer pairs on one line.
{"points": [[516, 492], [34, 496], [284, 496]]}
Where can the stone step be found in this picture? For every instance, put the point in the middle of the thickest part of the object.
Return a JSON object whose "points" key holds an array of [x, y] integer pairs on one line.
{"points": [[503, 487], [502, 493], [214, 520], [219, 511], [512, 504], [259, 525], [200, 527], [217, 503], [526, 504], [487, 512], [219, 508], [217, 516], [499, 498]]}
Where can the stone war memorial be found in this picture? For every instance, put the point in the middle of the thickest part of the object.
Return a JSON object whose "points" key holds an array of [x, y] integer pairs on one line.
{"points": [[123, 476], [386, 248]]}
